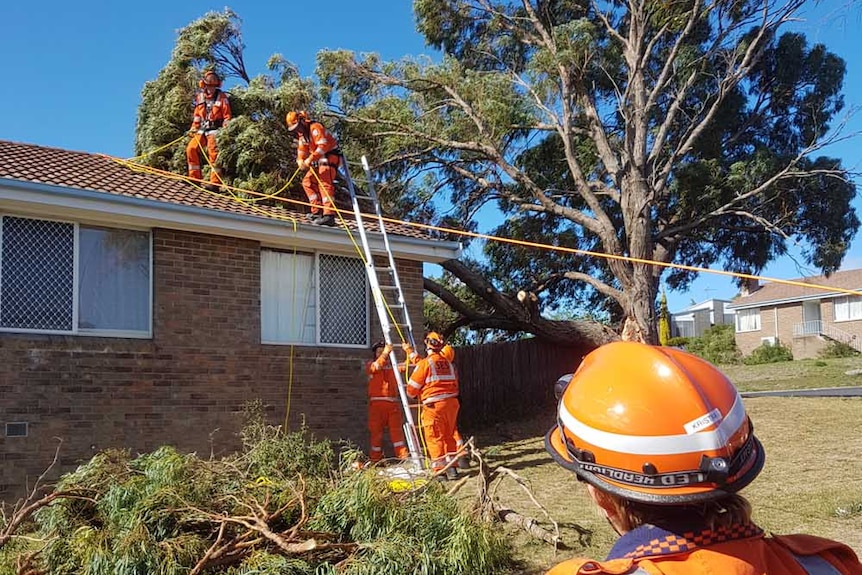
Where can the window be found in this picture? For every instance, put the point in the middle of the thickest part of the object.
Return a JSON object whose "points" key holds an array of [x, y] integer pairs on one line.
{"points": [[76, 279], [748, 320], [847, 308], [314, 299]]}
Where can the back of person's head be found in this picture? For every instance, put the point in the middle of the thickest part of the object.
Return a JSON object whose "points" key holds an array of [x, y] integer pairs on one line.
{"points": [[659, 431], [378, 345]]}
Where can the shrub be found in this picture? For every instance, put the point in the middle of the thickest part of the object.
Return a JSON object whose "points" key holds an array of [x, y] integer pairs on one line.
{"points": [[767, 353], [680, 342], [717, 345], [837, 349]]}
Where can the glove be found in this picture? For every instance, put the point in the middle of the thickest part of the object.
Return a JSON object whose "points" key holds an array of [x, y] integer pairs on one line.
{"points": [[307, 162], [387, 349]]}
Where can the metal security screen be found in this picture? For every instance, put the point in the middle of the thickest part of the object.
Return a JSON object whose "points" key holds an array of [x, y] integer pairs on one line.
{"points": [[37, 274], [343, 301]]}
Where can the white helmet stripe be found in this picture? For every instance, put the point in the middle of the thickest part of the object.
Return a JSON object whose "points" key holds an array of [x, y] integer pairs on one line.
{"points": [[661, 444]]}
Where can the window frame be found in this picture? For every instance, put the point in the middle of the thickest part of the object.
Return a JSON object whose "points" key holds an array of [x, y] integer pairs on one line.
{"points": [[317, 304], [748, 312], [76, 251], [848, 300]]}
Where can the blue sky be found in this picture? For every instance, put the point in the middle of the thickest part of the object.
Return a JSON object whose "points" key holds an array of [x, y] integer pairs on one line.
{"points": [[75, 70]]}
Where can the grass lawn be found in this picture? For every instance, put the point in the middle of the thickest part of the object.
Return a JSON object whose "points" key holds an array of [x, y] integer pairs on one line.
{"points": [[812, 481]]}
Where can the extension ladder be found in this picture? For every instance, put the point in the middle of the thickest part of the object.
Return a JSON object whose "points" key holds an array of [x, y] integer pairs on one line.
{"points": [[388, 299]]}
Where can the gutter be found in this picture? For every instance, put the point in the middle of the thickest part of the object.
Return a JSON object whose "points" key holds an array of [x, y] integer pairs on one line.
{"points": [[89, 206]]}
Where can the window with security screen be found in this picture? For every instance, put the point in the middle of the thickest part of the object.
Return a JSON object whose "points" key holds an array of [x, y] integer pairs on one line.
{"points": [[70, 278], [314, 299]]}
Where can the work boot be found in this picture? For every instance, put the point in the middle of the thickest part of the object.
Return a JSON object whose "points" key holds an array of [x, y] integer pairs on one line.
{"points": [[452, 474], [312, 216], [463, 462], [324, 220]]}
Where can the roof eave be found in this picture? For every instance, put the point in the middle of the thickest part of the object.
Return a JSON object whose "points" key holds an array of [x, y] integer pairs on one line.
{"points": [[62, 202], [780, 301]]}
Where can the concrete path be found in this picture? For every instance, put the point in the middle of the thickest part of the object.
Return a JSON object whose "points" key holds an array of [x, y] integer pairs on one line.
{"points": [[821, 392]]}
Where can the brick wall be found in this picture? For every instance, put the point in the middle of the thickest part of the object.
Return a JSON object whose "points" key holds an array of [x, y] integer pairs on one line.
{"points": [[787, 316], [185, 387]]}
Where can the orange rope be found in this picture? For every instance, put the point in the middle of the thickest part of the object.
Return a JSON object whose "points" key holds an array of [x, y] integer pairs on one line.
{"points": [[524, 243]]}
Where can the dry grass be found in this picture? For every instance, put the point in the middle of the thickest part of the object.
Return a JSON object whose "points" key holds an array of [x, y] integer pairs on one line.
{"points": [[802, 374], [812, 481]]}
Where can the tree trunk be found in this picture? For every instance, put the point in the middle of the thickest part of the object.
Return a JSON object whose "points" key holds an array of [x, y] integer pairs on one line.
{"points": [[511, 313]]}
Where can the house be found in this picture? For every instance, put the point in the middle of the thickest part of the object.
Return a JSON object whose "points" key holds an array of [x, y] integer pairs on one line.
{"points": [[694, 320], [137, 310], [804, 319]]}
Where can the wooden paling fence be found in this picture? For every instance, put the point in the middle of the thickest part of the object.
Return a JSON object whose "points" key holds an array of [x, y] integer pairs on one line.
{"points": [[501, 381]]}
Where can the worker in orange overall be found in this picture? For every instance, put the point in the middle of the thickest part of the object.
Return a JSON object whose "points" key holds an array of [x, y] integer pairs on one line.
{"points": [[211, 113], [435, 383], [317, 151], [384, 405], [463, 460], [663, 442]]}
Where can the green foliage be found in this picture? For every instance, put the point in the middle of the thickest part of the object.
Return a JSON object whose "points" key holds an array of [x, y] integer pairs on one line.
{"points": [[681, 342], [767, 353], [717, 345], [162, 512], [255, 150], [425, 530], [513, 114], [837, 349]]}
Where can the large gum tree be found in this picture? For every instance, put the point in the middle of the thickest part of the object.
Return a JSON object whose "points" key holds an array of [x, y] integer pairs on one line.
{"points": [[676, 132]]}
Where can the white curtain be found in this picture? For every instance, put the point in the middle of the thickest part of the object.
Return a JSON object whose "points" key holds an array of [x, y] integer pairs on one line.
{"points": [[113, 279], [287, 298]]}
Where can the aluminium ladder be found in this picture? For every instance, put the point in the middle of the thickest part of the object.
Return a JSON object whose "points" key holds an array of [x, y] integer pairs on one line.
{"points": [[388, 299]]}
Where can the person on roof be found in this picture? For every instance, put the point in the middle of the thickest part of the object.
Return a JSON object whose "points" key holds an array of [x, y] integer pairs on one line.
{"points": [[211, 113], [316, 151], [384, 405], [663, 442], [435, 383]]}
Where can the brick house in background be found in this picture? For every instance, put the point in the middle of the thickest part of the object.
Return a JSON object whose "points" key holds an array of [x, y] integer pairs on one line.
{"points": [[800, 318], [137, 311]]}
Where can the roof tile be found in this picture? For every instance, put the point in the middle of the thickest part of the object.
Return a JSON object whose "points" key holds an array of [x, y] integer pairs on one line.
{"points": [[100, 173], [772, 291]]}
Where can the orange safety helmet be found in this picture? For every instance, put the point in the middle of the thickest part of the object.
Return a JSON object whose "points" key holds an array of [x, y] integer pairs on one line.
{"points": [[656, 425], [293, 119], [210, 80], [434, 341]]}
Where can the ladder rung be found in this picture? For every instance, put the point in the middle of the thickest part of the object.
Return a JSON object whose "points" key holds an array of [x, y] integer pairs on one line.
{"points": [[361, 197], [386, 269], [388, 287]]}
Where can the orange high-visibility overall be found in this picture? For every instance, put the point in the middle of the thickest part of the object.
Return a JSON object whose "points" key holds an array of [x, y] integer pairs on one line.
{"points": [[435, 383], [210, 114], [384, 409], [322, 148], [734, 552]]}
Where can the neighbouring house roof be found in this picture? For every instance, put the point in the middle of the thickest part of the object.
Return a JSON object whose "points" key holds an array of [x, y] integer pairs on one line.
{"points": [[79, 180], [772, 293]]}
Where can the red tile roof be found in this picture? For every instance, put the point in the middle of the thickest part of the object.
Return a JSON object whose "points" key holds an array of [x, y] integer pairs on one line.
{"points": [[100, 173], [771, 291]]}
